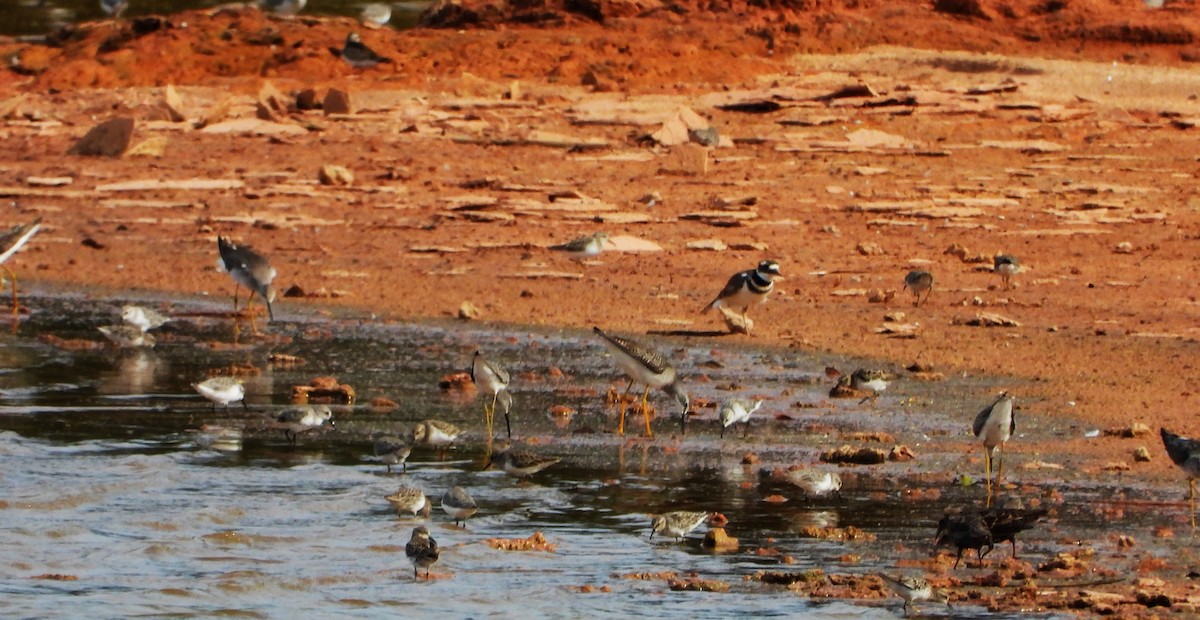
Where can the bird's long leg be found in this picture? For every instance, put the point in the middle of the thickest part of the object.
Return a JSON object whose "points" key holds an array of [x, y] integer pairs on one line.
{"points": [[12, 277], [621, 424], [507, 426], [1000, 468], [646, 411], [987, 463], [1192, 499], [746, 431], [235, 296]]}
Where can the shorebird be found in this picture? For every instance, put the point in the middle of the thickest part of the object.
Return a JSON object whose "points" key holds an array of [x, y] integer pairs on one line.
{"points": [[519, 463], [249, 269], [458, 504], [1005, 523], [678, 523], [302, 419], [913, 589], [649, 368], [873, 380], [1185, 453], [391, 450], [747, 288], [816, 482], [422, 549], [114, 8], [282, 7], [492, 380], [127, 336], [435, 434], [1007, 266], [993, 426], [375, 15], [143, 318], [918, 282], [583, 248], [11, 241], [964, 531], [222, 391], [737, 410], [410, 500], [358, 55]]}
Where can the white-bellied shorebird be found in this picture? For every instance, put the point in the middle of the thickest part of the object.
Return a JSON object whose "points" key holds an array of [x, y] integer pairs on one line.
{"points": [[647, 367], [993, 426], [492, 380], [747, 288], [249, 269], [678, 523], [1185, 453]]}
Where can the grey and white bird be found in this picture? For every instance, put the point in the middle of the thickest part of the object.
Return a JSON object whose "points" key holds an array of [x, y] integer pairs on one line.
{"points": [[583, 248], [646, 367], [286, 8], [678, 524], [410, 500], [816, 482], [11, 241], [143, 318], [435, 434], [127, 336], [519, 463], [1185, 453], [458, 504], [913, 589], [492, 380], [1007, 266], [222, 391], [747, 288], [870, 380], [919, 281], [737, 410], [375, 15], [302, 419], [422, 550], [994, 425], [249, 269], [358, 55], [391, 450], [114, 8]]}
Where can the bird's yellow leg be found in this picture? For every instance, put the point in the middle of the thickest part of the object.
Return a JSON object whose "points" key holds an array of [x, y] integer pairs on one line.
{"points": [[1000, 466], [235, 296], [12, 277], [621, 424], [646, 411], [987, 463]]}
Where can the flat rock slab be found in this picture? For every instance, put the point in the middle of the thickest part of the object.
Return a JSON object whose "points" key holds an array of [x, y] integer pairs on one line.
{"points": [[108, 139], [180, 185]]}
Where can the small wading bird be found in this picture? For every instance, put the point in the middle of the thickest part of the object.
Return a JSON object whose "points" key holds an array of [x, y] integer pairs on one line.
{"points": [[1185, 453], [747, 288], [222, 391], [519, 463], [11, 241], [435, 434], [913, 589], [816, 482], [114, 8], [282, 7], [422, 549], [737, 410], [872, 380], [249, 269], [918, 282], [678, 523], [127, 336], [1007, 266], [583, 248], [458, 504], [391, 450], [302, 419], [493, 381], [649, 368], [357, 54], [993, 426], [142, 318], [375, 15], [410, 500]]}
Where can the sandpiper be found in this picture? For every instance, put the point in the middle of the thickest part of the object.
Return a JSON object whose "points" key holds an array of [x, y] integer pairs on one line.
{"points": [[816, 482], [435, 434], [747, 288], [964, 530], [11, 241], [143, 318], [410, 500], [492, 380], [222, 390], [458, 504], [872, 380], [422, 549], [375, 15], [358, 55], [583, 248], [114, 8], [913, 589], [678, 523], [1185, 453], [919, 281], [127, 336], [1007, 266], [649, 368], [302, 419], [282, 7], [391, 450], [1005, 523], [993, 426], [519, 463], [737, 410], [249, 269]]}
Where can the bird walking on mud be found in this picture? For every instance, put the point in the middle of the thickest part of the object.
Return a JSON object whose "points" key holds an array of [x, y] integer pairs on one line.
{"points": [[1007, 266], [249, 269], [647, 367], [1185, 453], [11, 241], [913, 589], [993, 426], [919, 281], [747, 288], [584, 247]]}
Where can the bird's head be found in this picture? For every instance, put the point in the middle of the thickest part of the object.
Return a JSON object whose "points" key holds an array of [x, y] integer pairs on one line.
{"points": [[769, 268]]}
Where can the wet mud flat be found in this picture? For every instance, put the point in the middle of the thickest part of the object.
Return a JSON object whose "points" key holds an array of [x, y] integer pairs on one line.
{"points": [[114, 497]]}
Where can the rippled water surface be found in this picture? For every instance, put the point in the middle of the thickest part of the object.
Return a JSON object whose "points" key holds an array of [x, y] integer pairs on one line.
{"points": [[111, 499]]}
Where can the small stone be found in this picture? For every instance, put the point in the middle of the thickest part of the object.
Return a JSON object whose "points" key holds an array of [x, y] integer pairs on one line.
{"points": [[868, 248], [108, 139], [717, 539], [152, 147], [337, 101], [307, 99], [335, 175], [468, 312], [691, 159], [1141, 455], [173, 105], [714, 245], [1124, 247]]}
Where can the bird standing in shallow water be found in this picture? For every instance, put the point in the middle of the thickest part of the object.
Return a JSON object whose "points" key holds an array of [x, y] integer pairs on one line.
{"points": [[493, 381], [1007, 266], [11, 241], [302, 419], [143, 318], [458, 504], [249, 269], [435, 434], [747, 288], [375, 15], [678, 523], [649, 368], [422, 549], [222, 391], [737, 410], [410, 500], [391, 450], [286, 8], [1185, 453], [918, 282], [913, 589], [993, 426], [816, 482], [519, 463]]}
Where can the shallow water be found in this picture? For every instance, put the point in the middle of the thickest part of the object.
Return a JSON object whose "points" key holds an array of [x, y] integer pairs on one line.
{"points": [[105, 479]]}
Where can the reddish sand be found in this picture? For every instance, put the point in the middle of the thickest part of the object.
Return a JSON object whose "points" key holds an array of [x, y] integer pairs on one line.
{"points": [[1085, 170]]}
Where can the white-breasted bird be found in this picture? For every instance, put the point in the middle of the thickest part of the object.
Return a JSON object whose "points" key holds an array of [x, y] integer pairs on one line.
{"points": [[302, 419], [747, 288], [492, 380], [647, 367], [222, 390], [249, 269], [913, 589], [583, 248], [994, 425], [143, 318], [1007, 266], [737, 410]]}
